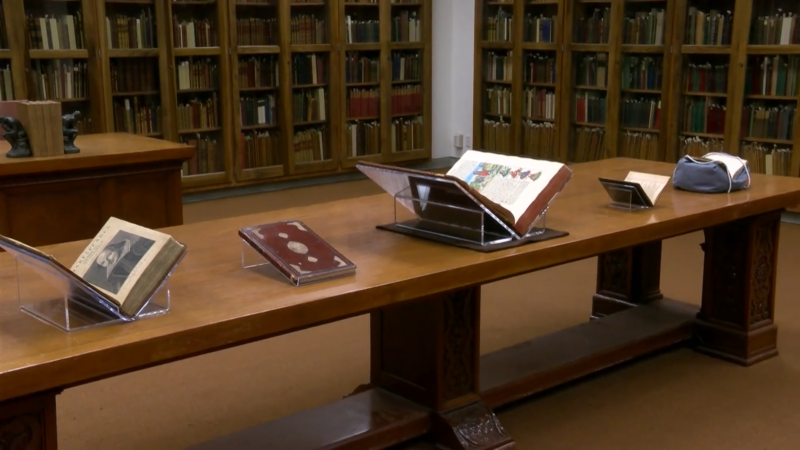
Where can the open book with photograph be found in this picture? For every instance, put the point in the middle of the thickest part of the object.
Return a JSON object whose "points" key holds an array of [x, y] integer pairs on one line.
{"points": [[517, 190], [124, 264]]}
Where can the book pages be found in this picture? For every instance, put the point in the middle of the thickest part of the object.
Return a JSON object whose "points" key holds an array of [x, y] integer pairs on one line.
{"points": [[651, 184], [510, 181], [117, 256]]}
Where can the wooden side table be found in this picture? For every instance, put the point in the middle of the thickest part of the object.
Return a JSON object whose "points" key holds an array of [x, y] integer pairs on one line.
{"points": [[67, 198]]}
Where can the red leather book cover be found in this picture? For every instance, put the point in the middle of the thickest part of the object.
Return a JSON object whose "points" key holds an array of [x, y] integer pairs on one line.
{"points": [[297, 251]]}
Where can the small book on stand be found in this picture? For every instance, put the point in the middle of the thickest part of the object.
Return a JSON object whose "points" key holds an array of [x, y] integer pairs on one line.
{"points": [[125, 264], [517, 190], [637, 190], [297, 252]]}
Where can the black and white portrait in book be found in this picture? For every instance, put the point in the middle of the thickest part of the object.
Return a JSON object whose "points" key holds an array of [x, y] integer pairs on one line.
{"points": [[114, 263]]}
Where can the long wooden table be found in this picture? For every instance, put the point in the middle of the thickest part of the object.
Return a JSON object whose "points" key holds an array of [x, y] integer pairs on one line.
{"points": [[427, 377], [69, 197]]}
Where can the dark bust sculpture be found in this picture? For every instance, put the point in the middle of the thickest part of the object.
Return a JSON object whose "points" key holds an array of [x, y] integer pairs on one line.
{"points": [[17, 137], [70, 131]]}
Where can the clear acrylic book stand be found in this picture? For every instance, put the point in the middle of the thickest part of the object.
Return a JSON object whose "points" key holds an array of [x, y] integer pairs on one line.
{"points": [[625, 195], [65, 302], [442, 209]]}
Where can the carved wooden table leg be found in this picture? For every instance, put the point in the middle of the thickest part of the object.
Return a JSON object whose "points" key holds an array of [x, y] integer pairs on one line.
{"points": [[627, 278], [428, 352], [736, 319], [29, 423]]}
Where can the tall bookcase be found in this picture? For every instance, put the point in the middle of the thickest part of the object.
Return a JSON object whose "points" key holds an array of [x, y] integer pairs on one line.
{"points": [[386, 68], [199, 70], [754, 64], [265, 89], [59, 59], [684, 76], [133, 52]]}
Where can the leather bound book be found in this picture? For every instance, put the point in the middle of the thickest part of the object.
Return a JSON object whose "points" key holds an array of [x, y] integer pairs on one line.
{"points": [[297, 252]]}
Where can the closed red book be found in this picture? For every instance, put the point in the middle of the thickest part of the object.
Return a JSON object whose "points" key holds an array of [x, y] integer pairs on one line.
{"points": [[297, 252]]}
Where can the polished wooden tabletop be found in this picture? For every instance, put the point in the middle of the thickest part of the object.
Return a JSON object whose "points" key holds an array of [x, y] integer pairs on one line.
{"points": [[217, 304], [98, 150]]}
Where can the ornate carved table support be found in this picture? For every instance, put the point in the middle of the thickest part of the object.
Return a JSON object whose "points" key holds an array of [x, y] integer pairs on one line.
{"points": [[29, 423], [735, 321], [627, 278], [428, 352]]}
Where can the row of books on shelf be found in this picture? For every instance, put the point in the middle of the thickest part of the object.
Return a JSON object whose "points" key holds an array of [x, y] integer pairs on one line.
{"points": [[406, 27], [407, 134], [498, 66], [361, 69], [257, 31], [769, 160], [58, 80], [590, 107], [208, 157], [777, 29], [131, 115], [131, 31], [773, 75], [308, 69], [499, 27], [47, 32], [258, 72], [760, 121], [641, 113], [497, 137], [594, 29], [307, 29], [199, 114], [707, 78], [644, 28], [588, 145], [361, 31], [311, 145], [363, 138], [406, 66], [539, 104], [642, 72], [592, 70], [498, 101], [539, 28], [258, 110], [406, 99], [708, 28], [134, 75], [539, 140], [309, 105], [696, 146], [539, 69], [639, 145], [260, 149], [363, 103], [704, 115], [198, 74], [194, 33]]}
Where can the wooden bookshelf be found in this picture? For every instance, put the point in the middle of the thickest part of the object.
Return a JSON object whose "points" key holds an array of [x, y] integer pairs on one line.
{"points": [[200, 81], [152, 67], [260, 140], [133, 49], [386, 55], [707, 94], [58, 60]]}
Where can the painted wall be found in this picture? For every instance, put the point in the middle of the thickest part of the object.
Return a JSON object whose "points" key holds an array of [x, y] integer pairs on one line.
{"points": [[453, 56]]}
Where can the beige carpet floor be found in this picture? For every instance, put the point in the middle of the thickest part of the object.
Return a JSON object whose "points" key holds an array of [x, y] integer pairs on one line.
{"points": [[674, 400]]}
